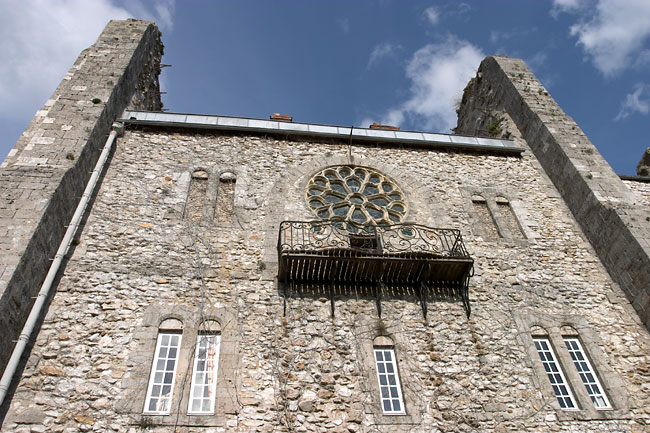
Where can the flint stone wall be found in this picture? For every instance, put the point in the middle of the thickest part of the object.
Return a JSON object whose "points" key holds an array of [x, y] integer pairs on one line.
{"points": [[307, 371], [640, 191]]}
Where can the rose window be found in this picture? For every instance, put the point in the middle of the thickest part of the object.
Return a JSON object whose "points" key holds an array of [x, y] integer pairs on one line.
{"points": [[358, 194]]}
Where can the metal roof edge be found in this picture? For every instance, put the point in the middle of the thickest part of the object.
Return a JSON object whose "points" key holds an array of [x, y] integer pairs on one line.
{"points": [[634, 178], [229, 123]]}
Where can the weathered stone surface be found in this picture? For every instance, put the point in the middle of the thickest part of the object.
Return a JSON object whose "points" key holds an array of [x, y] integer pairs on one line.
{"points": [[44, 175], [607, 212], [307, 371], [643, 168]]}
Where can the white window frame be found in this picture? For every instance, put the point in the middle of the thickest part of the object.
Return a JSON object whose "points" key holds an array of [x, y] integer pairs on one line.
{"points": [[387, 365], [211, 358], [587, 373], [154, 371], [554, 373]]}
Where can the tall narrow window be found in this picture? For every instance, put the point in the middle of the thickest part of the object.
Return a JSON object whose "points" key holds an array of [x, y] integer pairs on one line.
{"points": [[225, 198], [587, 374], [204, 378], [509, 218], [163, 373], [554, 373], [485, 217], [196, 195], [390, 392]]}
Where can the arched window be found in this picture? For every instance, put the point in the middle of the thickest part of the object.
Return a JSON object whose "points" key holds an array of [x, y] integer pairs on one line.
{"points": [[553, 369], [206, 363], [163, 370], [390, 390], [584, 368]]}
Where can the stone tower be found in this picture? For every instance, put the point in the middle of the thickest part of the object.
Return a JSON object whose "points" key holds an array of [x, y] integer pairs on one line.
{"points": [[612, 215], [45, 173], [271, 275]]}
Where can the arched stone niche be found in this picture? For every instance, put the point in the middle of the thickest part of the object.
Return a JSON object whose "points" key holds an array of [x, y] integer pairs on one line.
{"points": [[383, 341], [171, 324]]}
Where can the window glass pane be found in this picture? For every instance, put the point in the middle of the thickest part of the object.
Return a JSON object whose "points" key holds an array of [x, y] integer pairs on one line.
{"points": [[204, 378], [163, 372], [344, 185], [586, 373], [554, 373], [390, 393]]}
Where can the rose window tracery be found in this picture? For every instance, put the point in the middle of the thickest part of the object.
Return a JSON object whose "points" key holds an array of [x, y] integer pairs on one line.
{"points": [[358, 194]]}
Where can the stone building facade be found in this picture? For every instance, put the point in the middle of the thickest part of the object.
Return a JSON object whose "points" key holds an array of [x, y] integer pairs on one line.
{"points": [[266, 275]]}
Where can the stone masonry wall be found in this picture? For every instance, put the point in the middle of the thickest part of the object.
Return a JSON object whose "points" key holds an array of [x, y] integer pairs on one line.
{"points": [[140, 261], [44, 175], [614, 222], [640, 192]]}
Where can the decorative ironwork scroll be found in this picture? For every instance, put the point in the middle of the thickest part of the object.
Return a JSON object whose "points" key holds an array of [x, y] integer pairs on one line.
{"points": [[316, 236]]}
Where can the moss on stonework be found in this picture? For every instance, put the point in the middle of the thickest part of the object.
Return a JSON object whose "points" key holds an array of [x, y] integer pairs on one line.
{"points": [[494, 129], [643, 167]]}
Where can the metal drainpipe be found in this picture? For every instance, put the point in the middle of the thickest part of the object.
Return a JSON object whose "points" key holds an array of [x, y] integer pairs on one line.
{"points": [[12, 366]]}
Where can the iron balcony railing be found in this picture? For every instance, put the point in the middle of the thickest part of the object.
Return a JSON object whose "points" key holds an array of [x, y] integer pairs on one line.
{"points": [[319, 236], [403, 255]]}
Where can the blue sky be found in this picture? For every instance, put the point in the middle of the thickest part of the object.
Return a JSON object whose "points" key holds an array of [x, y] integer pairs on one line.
{"points": [[351, 62]]}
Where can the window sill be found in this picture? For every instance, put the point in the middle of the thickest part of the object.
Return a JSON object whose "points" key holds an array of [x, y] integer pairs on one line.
{"points": [[592, 414], [182, 420], [393, 419]]}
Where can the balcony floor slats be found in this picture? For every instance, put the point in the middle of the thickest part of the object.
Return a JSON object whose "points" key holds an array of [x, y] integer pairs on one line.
{"points": [[396, 270]]}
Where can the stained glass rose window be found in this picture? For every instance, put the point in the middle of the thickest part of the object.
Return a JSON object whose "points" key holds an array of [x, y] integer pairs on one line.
{"points": [[358, 194]]}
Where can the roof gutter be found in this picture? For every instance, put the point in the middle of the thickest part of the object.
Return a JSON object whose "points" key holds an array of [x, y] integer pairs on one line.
{"points": [[348, 134]]}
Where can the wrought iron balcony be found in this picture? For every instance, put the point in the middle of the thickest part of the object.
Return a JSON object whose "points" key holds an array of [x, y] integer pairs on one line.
{"points": [[406, 255]]}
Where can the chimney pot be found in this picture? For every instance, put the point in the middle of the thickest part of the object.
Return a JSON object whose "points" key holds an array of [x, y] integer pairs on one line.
{"points": [[377, 125], [281, 117]]}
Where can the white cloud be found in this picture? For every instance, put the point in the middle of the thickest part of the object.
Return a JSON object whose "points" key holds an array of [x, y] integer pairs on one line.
{"points": [[432, 15], [635, 102], [438, 74], [461, 9], [613, 33], [514, 33], [560, 6], [380, 51], [537, 60], [162, 13], [344, 25], [40, 39]]}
